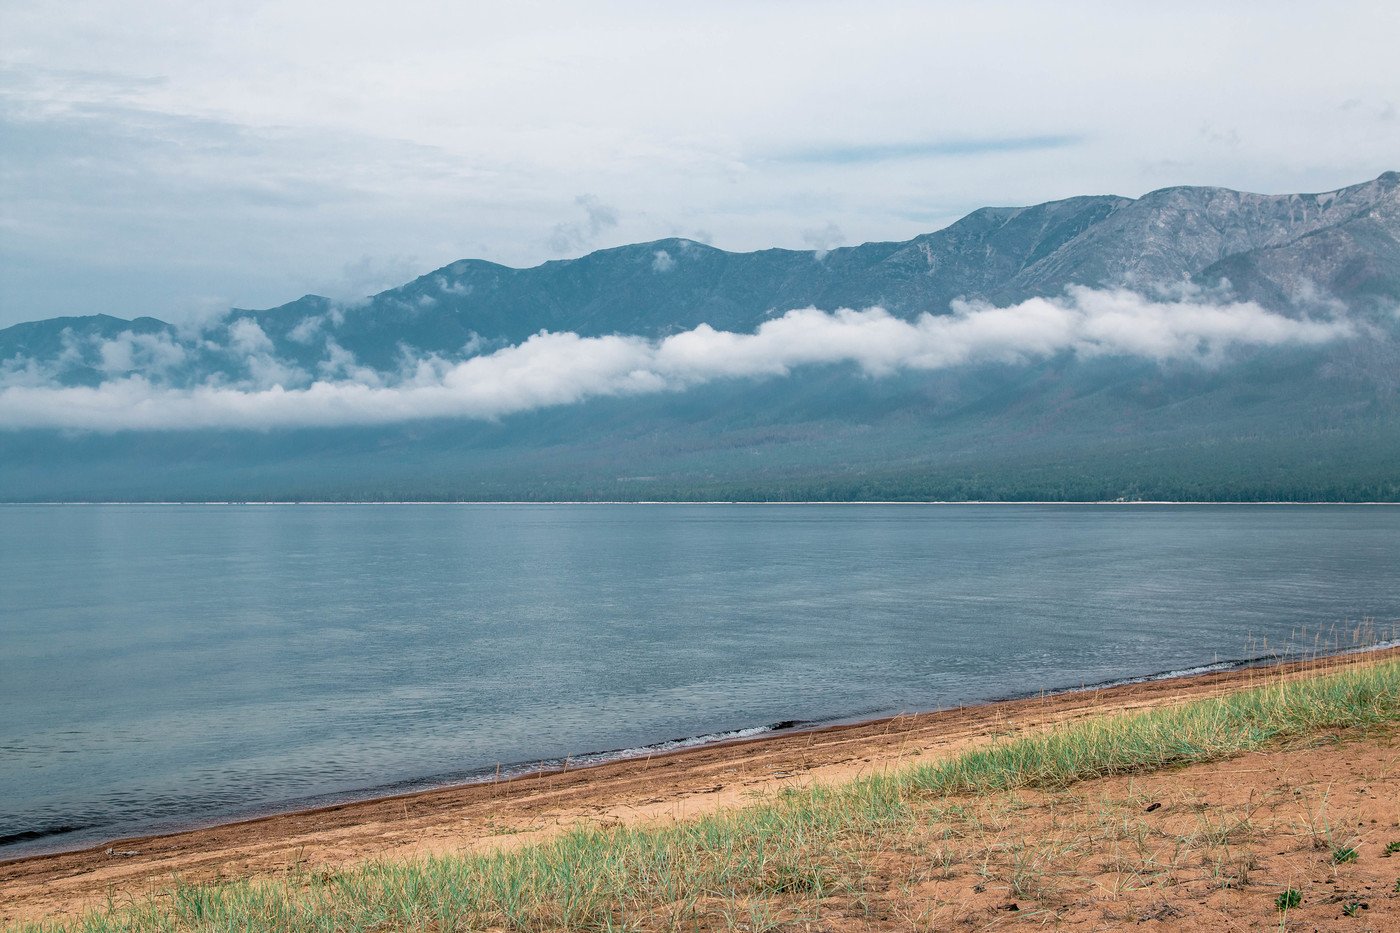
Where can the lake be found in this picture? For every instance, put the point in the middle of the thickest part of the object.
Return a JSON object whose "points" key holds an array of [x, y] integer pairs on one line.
{"points": [[172, 665]]}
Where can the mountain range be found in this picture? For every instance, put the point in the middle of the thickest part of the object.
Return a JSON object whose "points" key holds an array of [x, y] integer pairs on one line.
{"points": [[1092, 417]]}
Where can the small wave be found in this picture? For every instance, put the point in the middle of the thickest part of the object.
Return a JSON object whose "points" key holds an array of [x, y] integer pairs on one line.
{"points": [[645, 751], [30, 835], [1234, 664], [1212, 668], [694, 741]]}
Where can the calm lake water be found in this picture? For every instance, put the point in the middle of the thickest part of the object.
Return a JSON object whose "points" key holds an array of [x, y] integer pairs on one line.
{"points": [[164, 666]]}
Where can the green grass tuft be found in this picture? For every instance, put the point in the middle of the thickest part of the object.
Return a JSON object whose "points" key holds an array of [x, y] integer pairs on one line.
{"points": [[1203, 730], [1344, 854]]}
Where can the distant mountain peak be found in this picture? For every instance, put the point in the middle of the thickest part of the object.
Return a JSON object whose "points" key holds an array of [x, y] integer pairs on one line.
{"points": [[1273, 248]]}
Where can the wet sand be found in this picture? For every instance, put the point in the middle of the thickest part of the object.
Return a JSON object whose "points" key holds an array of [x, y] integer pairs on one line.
{"points": [[674, 785]]}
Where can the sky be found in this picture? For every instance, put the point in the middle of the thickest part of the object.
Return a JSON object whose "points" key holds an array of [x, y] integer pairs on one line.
{"points": [[176, 159]]}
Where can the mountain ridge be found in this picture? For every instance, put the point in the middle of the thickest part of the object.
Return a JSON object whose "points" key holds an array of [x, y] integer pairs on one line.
{"points": [[994, 254]]}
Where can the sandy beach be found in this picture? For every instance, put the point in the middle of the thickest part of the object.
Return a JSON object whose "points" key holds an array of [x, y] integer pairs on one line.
{"points": [[664, 787]]}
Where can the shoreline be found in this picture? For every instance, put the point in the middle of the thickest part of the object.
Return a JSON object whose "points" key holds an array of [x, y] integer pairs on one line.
{"points": [[667, 785], [505, 773]]}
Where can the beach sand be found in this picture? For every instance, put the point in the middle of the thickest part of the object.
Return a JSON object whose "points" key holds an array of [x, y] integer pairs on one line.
{"points": [[1357, 778]]}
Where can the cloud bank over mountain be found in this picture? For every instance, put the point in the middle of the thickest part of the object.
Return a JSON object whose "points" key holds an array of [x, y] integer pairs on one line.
{"points": [[138, 391]]}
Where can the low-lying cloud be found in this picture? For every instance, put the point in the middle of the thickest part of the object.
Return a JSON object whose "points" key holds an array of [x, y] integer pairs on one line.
{"points": [[551, 369]]}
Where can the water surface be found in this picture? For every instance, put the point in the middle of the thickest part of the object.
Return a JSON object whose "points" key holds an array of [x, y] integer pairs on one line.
{"points": [[164, 666]]}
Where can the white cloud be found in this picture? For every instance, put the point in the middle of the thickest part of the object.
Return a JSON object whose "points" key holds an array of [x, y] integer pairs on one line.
{"points": [[367, 276], [252, 348], [306, 331], [152, 353], [552, 369], [577, 236], [823, 239], [340, 364], [163, 153], [268, 372], [246, 336], [24, 371], [453, 288], [661, 261]]}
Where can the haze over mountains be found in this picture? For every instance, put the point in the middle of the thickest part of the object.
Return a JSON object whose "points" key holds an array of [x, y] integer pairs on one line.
{"points": [[1192, 343]]}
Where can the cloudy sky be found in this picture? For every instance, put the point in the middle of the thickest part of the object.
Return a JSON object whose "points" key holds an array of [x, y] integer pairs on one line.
{"points": [[175, 158]]}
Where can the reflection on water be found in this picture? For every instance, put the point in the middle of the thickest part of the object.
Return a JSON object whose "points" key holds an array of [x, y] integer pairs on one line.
{"points": [[164, 665]]}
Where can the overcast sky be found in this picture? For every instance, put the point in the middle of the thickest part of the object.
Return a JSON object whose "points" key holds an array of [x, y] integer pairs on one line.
{"points": [[177, 158]]}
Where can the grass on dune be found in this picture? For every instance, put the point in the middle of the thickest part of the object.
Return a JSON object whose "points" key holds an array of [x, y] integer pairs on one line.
{"points": [[734, 869]]}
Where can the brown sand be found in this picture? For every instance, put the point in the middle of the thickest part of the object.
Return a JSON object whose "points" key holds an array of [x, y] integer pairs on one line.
{"points": [[1209, 847], [1360, 779]]}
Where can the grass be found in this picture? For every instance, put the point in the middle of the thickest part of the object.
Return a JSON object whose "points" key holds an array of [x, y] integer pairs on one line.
{"points": [[1200, 731], [764, 866]]}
